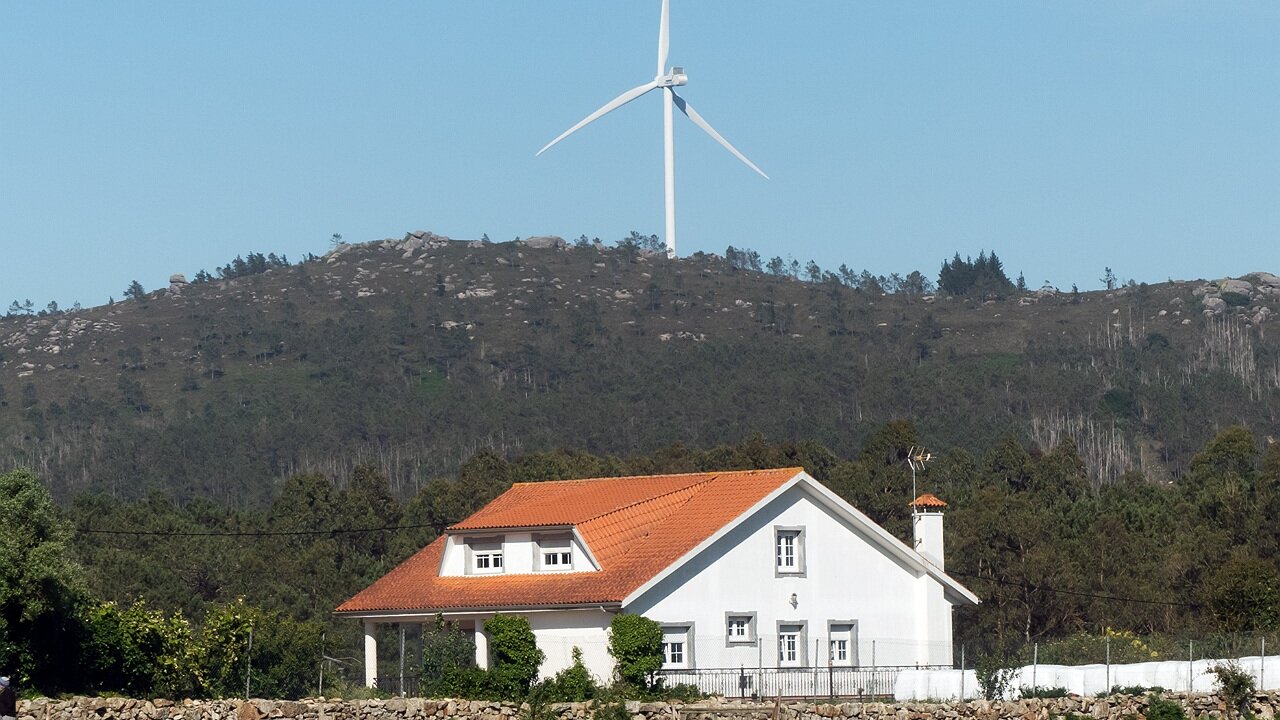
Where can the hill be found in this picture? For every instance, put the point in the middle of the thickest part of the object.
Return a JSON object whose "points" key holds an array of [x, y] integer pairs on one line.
{"points": [[411, 354]]}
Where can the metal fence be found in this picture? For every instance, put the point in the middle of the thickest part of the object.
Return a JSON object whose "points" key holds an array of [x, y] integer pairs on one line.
{"points": [[407, 686], [814, 682]]}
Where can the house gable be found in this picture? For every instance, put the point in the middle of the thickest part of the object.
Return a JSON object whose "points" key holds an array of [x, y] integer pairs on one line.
{"points": [[855, 521]]}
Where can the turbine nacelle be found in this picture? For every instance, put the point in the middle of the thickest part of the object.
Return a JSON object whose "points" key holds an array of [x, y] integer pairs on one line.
{"points": [[674, 78]]}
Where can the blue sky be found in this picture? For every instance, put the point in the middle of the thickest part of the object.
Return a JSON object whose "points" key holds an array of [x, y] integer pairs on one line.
{"points": [[144, 138]]}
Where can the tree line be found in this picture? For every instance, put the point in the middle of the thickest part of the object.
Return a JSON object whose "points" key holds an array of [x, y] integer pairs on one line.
{"points": [[155, 596]]}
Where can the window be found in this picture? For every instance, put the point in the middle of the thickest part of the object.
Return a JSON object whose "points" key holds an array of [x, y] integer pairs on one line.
{"points": [[555, 553], [740, 628], [486, 556], [844, 643], [788, 550], [791, 645], [676, 652]]}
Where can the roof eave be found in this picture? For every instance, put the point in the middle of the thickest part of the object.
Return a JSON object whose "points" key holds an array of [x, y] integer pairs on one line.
{"points": [[456, 530], [605, 605]]}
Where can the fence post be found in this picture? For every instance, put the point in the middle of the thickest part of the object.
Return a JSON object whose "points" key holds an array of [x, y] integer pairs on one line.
{"points": [[1191, 659], [248, 660], [962, 672], [1035, 663], [401, 658], [1108, 687], [873, 653], [1262, 665], [816, 644], [320, 687]]}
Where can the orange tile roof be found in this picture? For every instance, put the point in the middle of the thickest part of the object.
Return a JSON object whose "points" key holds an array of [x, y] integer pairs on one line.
{"points": [[634, 526], [928, 500]]}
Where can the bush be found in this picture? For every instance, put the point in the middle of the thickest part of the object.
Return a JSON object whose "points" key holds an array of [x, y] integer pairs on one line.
{"points": [[1134, 690], [137, 651], [610, 704], [449, 662], [1027, 692], [1160, 709], [635, 642], [572, 684], [1234, 684], [994, 676], [515, 655]]}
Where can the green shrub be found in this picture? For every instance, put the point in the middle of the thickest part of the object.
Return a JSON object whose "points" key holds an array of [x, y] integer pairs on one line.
{"points": [[635, 642], [137, 651], [611, 703], [1234, 684], [449, 662], [682, 692], [1134, 690], [1160, 709], [994, 676], [572, 684], [515, 656], [1028, 692]]}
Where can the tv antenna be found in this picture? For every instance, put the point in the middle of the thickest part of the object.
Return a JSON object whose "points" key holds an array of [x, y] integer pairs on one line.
{"points": [[916, 459]]}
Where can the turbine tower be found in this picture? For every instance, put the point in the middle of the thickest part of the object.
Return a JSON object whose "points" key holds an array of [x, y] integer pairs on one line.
{"points": [[667, 79]]}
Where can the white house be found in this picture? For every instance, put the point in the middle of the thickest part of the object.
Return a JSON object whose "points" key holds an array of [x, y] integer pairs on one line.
{"points": [[755, 576]]}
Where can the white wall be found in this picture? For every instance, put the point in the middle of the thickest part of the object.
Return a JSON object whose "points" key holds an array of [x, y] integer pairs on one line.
{"points": [[1173, 675], [558, 632], [519, 553], [847, 577]]}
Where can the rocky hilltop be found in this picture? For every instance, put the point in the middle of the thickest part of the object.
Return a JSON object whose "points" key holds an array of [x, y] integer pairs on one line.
{"points": [[411, 353]]}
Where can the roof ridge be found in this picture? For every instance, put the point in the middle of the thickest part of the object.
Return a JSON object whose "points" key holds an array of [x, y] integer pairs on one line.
{"points": [[749, 471]]}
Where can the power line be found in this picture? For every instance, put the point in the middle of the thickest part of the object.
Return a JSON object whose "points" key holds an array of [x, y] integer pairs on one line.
{"points": [[1076, 593], [246, 533], [391, 528]]}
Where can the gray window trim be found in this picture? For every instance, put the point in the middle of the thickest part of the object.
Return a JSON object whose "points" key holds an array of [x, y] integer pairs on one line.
{"points": [[800, 570], [803, 654], [554, 537], [753, 632], [690, 659], [470, 560], [853, 641]]}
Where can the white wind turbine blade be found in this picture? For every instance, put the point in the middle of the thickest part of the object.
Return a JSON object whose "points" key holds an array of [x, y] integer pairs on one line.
{"points": [[610, 106], [698, 120], [664, 38]]}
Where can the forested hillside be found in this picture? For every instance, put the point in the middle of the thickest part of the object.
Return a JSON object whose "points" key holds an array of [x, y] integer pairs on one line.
{"points": [[1054, 560], [252, 447], [410, 355]]}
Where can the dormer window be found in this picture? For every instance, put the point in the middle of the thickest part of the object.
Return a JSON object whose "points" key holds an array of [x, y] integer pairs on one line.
{"points": [[555, 553], [486, 556]]}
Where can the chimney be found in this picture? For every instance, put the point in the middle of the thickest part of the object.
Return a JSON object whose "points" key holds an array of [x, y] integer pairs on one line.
{"points": [[926, 528]]}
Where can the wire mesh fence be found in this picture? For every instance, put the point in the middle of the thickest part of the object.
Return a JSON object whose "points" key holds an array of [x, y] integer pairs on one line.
{"points": [[843, 664]]}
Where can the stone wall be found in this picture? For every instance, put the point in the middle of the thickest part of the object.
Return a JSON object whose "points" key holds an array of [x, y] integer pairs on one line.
{"points": [[1199, 707]]}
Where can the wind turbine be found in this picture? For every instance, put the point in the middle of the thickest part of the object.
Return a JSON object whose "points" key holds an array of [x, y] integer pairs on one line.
{"points": [[667, 80]]}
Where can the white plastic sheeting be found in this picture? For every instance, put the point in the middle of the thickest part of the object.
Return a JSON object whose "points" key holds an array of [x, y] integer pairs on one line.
{"points": [[1084, 679]]}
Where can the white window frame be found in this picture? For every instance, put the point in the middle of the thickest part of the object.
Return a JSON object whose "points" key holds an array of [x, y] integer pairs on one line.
{"points": [[748, 620], [847, 631], [485, 556], [795, 534], [554, 553], [796, 632], [670, 633]]}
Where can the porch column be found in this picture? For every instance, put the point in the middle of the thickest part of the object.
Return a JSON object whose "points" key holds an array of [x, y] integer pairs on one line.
{"points": [[482, 645], [370, 655]]}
